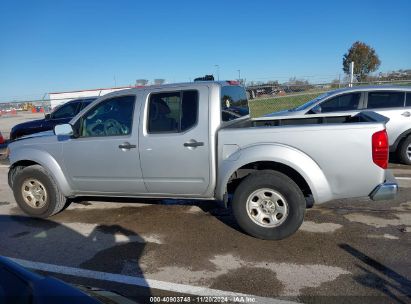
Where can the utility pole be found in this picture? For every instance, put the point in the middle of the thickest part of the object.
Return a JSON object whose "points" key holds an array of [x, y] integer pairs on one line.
{"points": [[239, 75], [218, 71], [351, 73]]}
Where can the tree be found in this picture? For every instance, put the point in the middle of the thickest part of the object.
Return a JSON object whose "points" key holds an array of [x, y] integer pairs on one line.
{"points": [[365, 60]]}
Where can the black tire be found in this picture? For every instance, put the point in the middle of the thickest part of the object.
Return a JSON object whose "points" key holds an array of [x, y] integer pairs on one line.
{"points": [[279, 183], [402, 151], [55, 200]]}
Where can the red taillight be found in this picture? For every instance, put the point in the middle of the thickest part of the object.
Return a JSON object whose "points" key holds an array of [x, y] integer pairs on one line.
{"points": [[380, 149]]}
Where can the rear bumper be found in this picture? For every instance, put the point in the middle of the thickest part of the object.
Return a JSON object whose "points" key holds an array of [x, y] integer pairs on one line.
{"points": [[387, 190]]}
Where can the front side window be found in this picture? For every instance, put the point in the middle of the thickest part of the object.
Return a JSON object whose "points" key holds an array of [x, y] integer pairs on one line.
{"points": [[111, 117], [346, 102], [172, 112], [66, 111], [408, 102], [86, 102], [381, 99]]}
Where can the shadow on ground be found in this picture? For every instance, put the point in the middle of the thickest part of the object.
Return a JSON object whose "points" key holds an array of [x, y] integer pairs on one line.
{"points": [[378, 276], [46, 235]]}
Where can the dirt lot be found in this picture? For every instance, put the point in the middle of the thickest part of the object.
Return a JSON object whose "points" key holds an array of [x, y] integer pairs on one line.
{"points": [[347, 251], [8, 121]]}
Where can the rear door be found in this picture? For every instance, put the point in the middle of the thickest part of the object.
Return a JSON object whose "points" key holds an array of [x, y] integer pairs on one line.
{"points": [[392, 105], [174, 144]]}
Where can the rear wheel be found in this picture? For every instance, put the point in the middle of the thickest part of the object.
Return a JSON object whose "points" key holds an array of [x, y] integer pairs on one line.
{"points": [[269, 205], [404, 151], [36, 192]]}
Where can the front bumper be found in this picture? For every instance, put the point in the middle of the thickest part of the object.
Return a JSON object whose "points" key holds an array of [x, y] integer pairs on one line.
{"points": [[387, 190]]}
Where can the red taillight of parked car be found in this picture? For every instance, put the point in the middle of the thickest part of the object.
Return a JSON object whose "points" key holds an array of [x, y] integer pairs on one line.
{"points": [[380, 149]]}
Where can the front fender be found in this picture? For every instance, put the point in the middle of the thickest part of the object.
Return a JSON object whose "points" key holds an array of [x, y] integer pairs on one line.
{"points": [[47, 161], [278, 153]]}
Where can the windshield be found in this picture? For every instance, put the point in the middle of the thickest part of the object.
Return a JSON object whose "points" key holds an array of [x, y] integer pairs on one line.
{"points": [[311, 102]]}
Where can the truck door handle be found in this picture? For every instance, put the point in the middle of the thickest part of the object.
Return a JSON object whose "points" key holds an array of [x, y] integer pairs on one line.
{"points": [[193, 144], [127, 146], [406, 114]]}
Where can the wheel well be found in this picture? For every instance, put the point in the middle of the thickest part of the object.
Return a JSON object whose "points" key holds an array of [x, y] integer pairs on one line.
{"points": [[397, 144], [18, 166], [246, 170]]}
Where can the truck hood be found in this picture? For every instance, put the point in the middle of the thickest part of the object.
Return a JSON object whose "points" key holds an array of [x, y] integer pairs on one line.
{"points": [[37, 139], [30, 124], [37, 135]]}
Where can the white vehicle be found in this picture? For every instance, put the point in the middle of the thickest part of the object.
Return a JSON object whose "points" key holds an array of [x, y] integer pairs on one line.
{"points": [[392, 102]]}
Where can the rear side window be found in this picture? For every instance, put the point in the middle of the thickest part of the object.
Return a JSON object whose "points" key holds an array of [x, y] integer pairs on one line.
{"points": [[408, 102], [234, 103], [172, 112], [378, 100], [344, 102]]}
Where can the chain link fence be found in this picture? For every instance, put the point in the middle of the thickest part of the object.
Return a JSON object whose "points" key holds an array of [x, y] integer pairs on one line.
{"points": [[268, 98]]}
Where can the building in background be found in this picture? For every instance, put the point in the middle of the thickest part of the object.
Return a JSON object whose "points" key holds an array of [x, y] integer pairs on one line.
{"points": [[58, 98]]}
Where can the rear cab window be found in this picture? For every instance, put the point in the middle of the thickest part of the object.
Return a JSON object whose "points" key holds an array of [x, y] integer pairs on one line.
{"points": [[385, 99], [234, 103]]}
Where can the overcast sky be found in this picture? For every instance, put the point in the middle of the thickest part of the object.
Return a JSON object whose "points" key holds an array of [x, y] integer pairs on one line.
{"points": [[48, 46]]}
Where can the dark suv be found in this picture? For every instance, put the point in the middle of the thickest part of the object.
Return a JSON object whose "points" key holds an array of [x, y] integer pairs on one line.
{"points": [[61, 115]]}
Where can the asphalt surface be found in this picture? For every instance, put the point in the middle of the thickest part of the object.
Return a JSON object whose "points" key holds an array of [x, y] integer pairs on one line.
{"points": [[346, 251]]}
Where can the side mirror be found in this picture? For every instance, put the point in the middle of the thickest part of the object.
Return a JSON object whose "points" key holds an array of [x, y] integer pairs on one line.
{"points": [[316, 109], [65, 129], [47, 116]]}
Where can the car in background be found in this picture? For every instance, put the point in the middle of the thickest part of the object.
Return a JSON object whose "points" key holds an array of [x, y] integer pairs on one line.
{"points": [[393, 102], [20, 285], [61, 115]]}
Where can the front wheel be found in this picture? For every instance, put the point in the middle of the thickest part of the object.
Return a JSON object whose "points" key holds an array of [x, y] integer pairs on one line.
{"points": [[269, 205], [404, 151], [36, 192]]}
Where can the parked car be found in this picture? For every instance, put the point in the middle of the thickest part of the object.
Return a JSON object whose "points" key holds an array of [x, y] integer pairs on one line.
{"points": [[192, 141], [393, 102], [20, 285], [61, 115]]}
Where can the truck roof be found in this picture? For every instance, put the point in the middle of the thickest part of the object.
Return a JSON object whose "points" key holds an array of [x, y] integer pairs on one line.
{"points": [[178, 84], [372, 88]]}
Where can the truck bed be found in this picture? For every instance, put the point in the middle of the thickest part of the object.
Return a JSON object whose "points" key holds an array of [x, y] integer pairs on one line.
{"points": [[338, 144], [317, 119]]}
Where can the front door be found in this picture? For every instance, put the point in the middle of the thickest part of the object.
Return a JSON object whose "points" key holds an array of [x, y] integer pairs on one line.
{"points": [[174, 146], [105, 158]]}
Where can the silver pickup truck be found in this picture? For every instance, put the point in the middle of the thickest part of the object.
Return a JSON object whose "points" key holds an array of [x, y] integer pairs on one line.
{"points": [[197, 141]]}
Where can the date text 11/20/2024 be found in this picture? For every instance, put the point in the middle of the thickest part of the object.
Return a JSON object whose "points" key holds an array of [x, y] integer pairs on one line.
{"points": [[204, 299]]}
